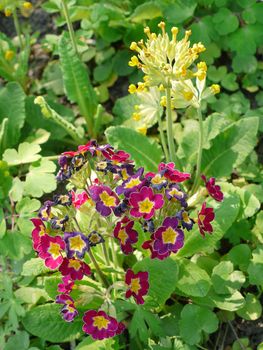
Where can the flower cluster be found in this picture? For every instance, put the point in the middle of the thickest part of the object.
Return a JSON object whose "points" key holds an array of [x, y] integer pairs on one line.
{"points": [[109, 199]]}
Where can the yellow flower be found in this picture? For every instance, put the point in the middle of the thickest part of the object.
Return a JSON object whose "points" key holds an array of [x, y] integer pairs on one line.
{"points": [[27, 5], [134, 62], [9, 55], [136, 116], [142, 130], [215, 89], [132, 89], [8, 12], [201, 71]]}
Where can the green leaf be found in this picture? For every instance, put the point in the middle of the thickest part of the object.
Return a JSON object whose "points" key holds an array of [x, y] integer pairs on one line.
{"points": [[20, 341], [34, 267], [225, 302], [147, 10], [243, 63], [40, 178], [229, 82], [195, 320], [225, 21], [25, 208], [124, 107], [46, 322], [255, 268], [12, 106], [192, 280], [15, 245], [89, 344], [240, 256], [225, 280], [163, 276], [145, 152], [30, 295], [230, 148], [26, 153], [76, 81], [179, 11], [252, 309]]}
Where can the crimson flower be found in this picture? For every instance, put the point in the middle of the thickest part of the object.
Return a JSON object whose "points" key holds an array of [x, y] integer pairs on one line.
{"points": [[79, 199], [138, 285], [125, 233], [37, 232], [174, 175], [74, 268], [205, 216], [50, 249], [213, 189]]}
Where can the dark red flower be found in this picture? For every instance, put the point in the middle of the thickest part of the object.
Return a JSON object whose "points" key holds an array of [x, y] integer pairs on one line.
{"points": [[154, 253], [126, 235], [50, 249], [174, 175], [213, 189], [138, 285], [205, 216], [39, 231], [74, 268]]}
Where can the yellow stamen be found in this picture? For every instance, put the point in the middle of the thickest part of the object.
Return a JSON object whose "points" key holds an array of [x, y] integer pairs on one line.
{"points": [[108, 201], [122, 235], [54, 249], [146, 206], [100, 322], [76, 243], [188, 95], [135, 285], [169, 236], [75, 264], [133, 182]]}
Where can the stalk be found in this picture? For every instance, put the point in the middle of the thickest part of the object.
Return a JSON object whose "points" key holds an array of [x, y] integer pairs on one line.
{"points": [[70, 26], [169, 123], [163, 141], [18, 29], [99, 272], [200, 150]]}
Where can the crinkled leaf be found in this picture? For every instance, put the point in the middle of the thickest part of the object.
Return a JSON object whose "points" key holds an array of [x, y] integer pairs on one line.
{"points": [[34, 267], [255, 268], [26, 153]]}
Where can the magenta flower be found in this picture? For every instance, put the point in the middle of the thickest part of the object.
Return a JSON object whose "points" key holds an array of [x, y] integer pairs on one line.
{"points": [[156, 181], [132, 184], [174, 175], [106, 200], [213, 189], [126, 235], [66, 286], [138, 285], [100, 325], [120, 157], [76, 244], [74, 268], [68, 311], [154, 253], [145, 202], [205, 216], [79, 199], [39, 231], [50, 249]]}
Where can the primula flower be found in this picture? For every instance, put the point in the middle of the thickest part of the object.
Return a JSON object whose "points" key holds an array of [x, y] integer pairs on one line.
{"points": [[68, 311], [58, 224], [106, 200], [121, 157], [186, 221], [95, 238], [174, 193], [37, 232], [172, 174], [138, 285], [148, 226], [157, 181], [45, 211], [76, 244], [66, 286], [63, 199], [126, 235], [132, 184], [50, 249], [213, 189], [100, 325], [205, 216], [168, 237], [74, 268], [145, 202], [154, 253], [121, 208], [79, 199]]}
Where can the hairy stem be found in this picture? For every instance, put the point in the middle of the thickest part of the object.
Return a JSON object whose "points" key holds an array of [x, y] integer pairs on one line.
{"points": [[163, 141], [200, 150], [169, 126], [99, 272], [18, 29], [70, 27]]}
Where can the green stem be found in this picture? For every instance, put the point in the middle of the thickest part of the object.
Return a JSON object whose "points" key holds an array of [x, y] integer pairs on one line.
{"points": [[169, 127], [70, 27], [163, 141], [200, 150], [18, 29], [99, 272]]}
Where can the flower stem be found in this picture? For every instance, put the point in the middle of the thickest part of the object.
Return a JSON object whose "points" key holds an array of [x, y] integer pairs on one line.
{"points": [[99, 272], [70, 26], [169, 125], [200, 150], [163, 141], [18, 29]]}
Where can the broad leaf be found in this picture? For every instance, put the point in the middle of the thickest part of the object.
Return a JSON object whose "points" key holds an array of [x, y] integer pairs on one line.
{"points": [[34, 267], [26, 153]]}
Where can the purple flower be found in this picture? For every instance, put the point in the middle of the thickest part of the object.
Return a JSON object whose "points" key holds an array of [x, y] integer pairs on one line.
{"points": [[95, 238], [157, 181], [174, 193], [76, 244], [106, 200], [132, 184], [45, 211], [186, 221], [68, 310]]}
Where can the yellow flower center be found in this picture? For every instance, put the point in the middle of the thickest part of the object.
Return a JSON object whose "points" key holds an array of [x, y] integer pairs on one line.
{"points": [[188, 95], [135, 285], [201, 218], [133, 182], [76, 243], [186, 217], [145, 206], [94, 238], [54, 249], [122, 235], [100, 322], [169, 236], [108, 201], [75, 264], [175, 192], [157, 179]]}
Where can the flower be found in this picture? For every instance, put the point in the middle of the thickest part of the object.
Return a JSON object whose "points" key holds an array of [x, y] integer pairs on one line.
{"points": [[121, 157], [74, 268], [138, 285], [37, 232], [172, 174], [63, 199], [186, 221], [106, 200], [168, 237], [100, 325], [66, 286], [205, 216], [132, 184], [68, 311], [174, 193], [58, 224], [95, 238], [154, 253], [79, 199], [45, 211], [148, 226], [76, 244], [126, 235], [213, 189], [50, 249], [145, 202], [157, 181]]}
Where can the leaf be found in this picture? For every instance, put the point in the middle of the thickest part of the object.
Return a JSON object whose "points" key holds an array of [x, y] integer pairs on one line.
{"points": [[12, 106], [25, 208], [225, 21], [163, 276], [26, 153], [192, 280], [240, 256], [20, 341], [252, 309], [179, 11], [76, 81], [89, 344], [15, 245], [195, 320], [145, 152], [147, 10], [255, 268], [30, 295], [230, 148], [45, 322], [34, 267]]}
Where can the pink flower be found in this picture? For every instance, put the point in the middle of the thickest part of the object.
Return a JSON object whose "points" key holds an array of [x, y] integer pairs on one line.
{"points": [[39, 231], [79, 199], [68, 311], [50, 249], [66, 285], [213, 189], [126, 235], [174, 175], [138, 285], [205, 216], [145, 202], [74, 268]]}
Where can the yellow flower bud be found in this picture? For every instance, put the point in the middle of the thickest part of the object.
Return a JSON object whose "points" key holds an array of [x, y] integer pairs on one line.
{"points": [[142, 130], [188, 95], [202, 69], [215, 88], [163, 101], [134, 46], [8, 12], [27, 5], [136, 116], [9, 54], [162, 26], [161, 87], [147, 31], [174, 32], [141, 87], [198, 48], [132, 89], [134, 62]]}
